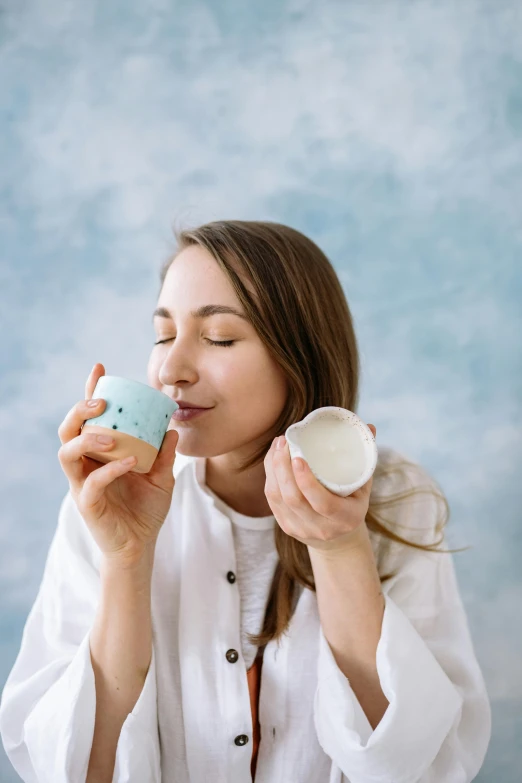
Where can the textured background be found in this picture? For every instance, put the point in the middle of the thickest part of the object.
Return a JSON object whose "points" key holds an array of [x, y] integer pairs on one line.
{"points": [[390, 132]]}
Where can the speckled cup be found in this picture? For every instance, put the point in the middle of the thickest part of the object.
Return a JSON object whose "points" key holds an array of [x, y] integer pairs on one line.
{"points": [[137, 417], [366, 448]]}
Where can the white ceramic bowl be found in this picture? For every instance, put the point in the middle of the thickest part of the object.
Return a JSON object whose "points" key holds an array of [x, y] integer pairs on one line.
{"points": [[364, 445]]}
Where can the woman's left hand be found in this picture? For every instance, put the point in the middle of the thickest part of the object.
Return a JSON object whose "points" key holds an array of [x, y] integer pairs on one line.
{"points": [[309, 512]]}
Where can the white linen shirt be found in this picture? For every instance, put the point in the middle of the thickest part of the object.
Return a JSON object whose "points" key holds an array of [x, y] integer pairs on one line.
{"points": [[195, 703], [256, 561]]}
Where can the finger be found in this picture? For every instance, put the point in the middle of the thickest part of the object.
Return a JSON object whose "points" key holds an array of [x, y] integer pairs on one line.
{"points": [[96, 483], [288, 487], [302, 492], [322, 514], [71, 453], [296, 515], [71, 426], [272, 492], [95, 374], [161, 471], [300, 489]]}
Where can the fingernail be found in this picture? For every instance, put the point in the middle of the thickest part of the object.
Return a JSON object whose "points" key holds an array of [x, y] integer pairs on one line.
{"points": [[104, 439], [298, 464], [92, 403], [281, 442], [128, 460]]}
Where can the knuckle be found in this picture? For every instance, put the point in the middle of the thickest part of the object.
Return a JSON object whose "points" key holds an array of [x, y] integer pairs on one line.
{"points": [[63, 452], [322, 535], [326, 510], [62, 429], [270, 489], [91, 482], [293, 499]]}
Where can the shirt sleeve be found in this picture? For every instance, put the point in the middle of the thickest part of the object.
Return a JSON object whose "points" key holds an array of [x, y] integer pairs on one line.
{"points": [[48, 705], [437, 725]]}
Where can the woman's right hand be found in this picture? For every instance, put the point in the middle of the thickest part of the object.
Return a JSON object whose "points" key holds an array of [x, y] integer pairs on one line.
{"points": [[124, 511]]}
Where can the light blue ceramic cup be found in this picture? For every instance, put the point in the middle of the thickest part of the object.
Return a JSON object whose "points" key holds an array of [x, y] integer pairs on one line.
{"points": [[136, 415]]}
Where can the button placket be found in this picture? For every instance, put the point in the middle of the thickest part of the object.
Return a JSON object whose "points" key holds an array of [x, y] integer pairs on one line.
{"points": [[232, 656]]}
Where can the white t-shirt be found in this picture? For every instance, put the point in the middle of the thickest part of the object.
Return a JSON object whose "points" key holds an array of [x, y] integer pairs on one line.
{"points": [[192, 722], [256, 558]]}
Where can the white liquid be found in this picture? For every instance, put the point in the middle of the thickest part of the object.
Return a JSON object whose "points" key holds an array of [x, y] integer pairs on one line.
{"points": [[334, 449]]}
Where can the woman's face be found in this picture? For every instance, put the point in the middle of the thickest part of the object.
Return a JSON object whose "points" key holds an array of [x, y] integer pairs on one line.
{"points": [[241, 384]]}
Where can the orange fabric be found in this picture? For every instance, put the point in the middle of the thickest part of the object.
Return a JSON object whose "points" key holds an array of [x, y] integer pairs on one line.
{"points": [[254, 684]]}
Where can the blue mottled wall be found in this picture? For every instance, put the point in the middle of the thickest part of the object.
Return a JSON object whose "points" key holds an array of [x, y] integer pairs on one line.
{"points": [[390, 132]]}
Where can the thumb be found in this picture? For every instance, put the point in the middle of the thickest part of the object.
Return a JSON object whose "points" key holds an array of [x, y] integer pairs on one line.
{"points": [[164, 462]]}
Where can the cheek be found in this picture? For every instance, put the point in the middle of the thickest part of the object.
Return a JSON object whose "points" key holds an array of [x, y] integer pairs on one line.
{"points": [[261, 383], [227, 374]]}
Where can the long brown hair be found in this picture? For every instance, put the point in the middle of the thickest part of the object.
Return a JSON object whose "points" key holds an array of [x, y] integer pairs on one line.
{"points": [[295, 301]]}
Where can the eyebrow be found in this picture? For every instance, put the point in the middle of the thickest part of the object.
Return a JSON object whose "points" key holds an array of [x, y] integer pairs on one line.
{"points": [[202, 312]]}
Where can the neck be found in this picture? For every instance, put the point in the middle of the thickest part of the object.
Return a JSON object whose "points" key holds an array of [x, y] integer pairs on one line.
{"points": [[244, 493]]}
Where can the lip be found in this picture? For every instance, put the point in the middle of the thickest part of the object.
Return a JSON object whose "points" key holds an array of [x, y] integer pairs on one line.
{"points": [[183, 404], [185, 414]]}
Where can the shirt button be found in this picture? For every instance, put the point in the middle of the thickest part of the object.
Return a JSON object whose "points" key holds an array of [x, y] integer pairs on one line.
{"points": [[241, 739], [231, 577], [231, 656]]}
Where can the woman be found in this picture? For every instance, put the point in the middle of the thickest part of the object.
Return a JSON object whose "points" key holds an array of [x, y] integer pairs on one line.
{"points": [[165, 593]]}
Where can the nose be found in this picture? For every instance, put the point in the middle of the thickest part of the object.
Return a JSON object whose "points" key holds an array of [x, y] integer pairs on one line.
{"points": [[177, 369]]}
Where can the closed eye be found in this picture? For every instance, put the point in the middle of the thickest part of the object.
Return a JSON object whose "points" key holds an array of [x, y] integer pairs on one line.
{"points": [[224, 343]]}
